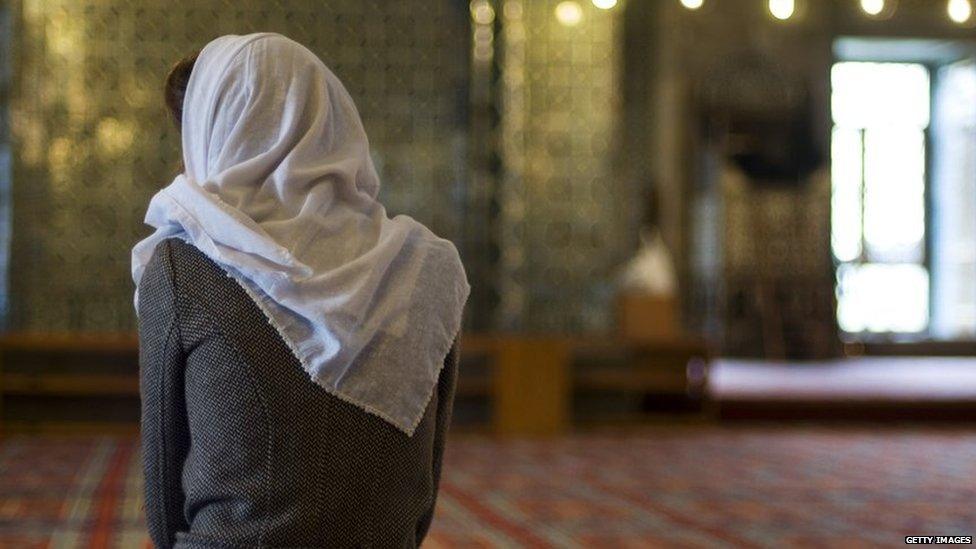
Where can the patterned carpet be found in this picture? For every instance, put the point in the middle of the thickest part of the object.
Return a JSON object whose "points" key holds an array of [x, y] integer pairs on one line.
{"points": [[690, 487]]}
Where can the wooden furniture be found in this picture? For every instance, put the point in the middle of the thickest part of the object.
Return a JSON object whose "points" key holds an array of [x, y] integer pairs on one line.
{"points": [[47, 349], [647, 318], [530, 383], [532, 387], [534, 377]]}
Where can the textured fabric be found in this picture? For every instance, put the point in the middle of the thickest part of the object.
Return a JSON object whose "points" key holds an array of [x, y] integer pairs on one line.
{"points": [[280, 190], [242, 450]]}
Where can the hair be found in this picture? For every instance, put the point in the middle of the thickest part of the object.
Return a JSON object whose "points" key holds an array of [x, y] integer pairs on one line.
{"points": [[175, 88]]}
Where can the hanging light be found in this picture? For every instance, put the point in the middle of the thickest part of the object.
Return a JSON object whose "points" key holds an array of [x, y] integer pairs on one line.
{"points": [[569, 13], [960, 11], [873, 7], [692, 4], [482, 12], [782, 9], [605, 4]]}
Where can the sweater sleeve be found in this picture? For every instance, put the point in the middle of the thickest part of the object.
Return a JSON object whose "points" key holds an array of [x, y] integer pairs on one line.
{"points": [[165, 433], [445, 405]]}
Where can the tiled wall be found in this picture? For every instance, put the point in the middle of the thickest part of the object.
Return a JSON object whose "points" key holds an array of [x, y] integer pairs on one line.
{"points": [[569, 216], [542, 231], [93, 143]]}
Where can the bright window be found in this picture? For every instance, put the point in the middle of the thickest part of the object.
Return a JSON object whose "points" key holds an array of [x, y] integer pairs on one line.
{"points": [[881, 116], [953, 226]]}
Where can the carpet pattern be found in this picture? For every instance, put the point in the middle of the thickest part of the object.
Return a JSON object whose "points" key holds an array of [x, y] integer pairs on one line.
{"points": [[688, 487]]}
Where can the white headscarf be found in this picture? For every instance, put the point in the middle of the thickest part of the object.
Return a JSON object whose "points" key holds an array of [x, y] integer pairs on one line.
{"points": [[279, 190]]}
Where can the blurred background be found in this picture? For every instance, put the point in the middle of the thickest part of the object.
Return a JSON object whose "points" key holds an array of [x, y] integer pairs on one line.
{"points": [[722, 256]]}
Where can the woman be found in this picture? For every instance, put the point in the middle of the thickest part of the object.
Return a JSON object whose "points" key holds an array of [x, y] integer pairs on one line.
{"points": [[296, 344]]}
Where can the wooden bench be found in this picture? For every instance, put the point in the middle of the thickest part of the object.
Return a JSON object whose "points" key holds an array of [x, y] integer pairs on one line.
{"points": [[530, 383], [47, 383], [534, 378]]}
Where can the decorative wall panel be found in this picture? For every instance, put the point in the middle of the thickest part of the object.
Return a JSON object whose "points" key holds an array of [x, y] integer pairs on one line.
{"points": [[93, 143], [536, 208], [563, 234], [779, 299], [482, 216], [759, 276]]}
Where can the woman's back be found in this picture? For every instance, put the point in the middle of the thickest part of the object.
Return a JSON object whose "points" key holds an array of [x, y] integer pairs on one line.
{"points": [[243, 449]]}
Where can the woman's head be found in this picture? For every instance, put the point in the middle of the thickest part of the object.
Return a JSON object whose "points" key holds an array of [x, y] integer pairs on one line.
{"points": [[175, 87], [261, 111]]}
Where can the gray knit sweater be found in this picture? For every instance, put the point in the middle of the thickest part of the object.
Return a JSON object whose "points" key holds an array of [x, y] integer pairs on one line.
{"points": [[241, 449]]}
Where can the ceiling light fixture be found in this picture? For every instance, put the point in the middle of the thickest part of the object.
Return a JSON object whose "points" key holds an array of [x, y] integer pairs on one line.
{"points": [[960, 11], [873, 7], [782, 9], [569, 13]]}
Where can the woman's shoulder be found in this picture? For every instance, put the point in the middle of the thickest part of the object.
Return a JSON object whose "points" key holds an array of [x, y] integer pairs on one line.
{"points": [[178, 247], [169, 252], [201, 283], [188, 271], [187, 262], [157, 285]]}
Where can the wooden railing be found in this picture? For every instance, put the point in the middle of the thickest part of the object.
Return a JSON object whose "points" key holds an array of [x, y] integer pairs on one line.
{"points": [[530, 384]]}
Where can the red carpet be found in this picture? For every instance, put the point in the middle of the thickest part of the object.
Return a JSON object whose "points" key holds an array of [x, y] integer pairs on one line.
{"points": [[694, 487]]}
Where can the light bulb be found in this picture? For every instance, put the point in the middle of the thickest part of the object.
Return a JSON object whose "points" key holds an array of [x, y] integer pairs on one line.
{"points": [[569, 13], [782, 9], [605, 4], [482, 12], [692, 4], [960, 11], [873, 7]]}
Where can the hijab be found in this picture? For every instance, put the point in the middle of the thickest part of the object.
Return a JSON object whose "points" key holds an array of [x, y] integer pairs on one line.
{"points": [[279, 190]]}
